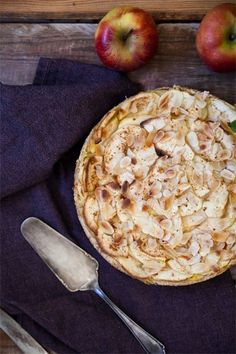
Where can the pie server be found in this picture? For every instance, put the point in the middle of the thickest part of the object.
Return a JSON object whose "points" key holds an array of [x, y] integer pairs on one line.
{"points": [[77, 270]]}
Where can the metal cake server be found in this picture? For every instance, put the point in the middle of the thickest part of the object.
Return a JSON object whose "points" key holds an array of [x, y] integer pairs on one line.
{"points": [[77, 270], [20, 337]]}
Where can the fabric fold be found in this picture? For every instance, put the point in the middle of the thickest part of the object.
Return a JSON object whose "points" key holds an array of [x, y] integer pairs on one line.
{"points": [[43, 128]]}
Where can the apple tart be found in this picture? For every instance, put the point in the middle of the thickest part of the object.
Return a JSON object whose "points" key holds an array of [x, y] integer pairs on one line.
{"points": [[155, 186]]}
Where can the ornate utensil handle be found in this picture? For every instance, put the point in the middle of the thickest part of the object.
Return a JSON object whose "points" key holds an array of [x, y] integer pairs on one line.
{"points": [[150, 344]]}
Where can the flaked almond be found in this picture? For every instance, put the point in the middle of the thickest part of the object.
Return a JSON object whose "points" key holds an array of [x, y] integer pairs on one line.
{"points": [[160, 152], [102, 195], [106, 227], [139, 140], [164, 100], [231, 165], [227, 175], [150, 137], [166, 224], [166, 193], [153, 124], [126, 203], [99, 171], [194, 248], [231, 239], [125, 162], [219, 133], [187, 153], [130, 140], [169, 202], [159, 135], [155, 188], [193, 140], [167, 137], [220, 236], [126, 176], [208, 131], [223, 155], [170, 173], [124, 187], [114, 186]]}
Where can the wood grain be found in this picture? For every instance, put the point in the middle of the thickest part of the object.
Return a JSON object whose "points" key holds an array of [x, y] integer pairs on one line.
{"points": [[7, 346], [177, 61], [95, 9]]}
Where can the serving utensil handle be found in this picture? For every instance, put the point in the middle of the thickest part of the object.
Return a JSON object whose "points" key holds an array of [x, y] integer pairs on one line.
{"points": [[150, 344]]}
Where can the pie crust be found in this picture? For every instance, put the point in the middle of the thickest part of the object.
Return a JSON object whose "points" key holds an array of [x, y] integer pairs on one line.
{"points": [[155, 186]]}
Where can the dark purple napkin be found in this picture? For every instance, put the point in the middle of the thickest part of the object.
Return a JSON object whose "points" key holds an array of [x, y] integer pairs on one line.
{"points": [[43, 128]]}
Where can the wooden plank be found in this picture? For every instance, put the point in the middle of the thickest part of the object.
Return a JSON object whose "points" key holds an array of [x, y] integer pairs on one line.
{"points": [[177, 61], [95, 9], [7, 346]]}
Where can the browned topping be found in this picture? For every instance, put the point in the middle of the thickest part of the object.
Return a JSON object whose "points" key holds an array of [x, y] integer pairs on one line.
{"points": [[160, 152], [159, 135], [164, 102], [125, 203], [170, 173], [105, 194], [117, 239], [203, 146], [114, 186], [145, 207], [134, 161], [150, 137], [124, 187], [107, 228], [175, 111]]}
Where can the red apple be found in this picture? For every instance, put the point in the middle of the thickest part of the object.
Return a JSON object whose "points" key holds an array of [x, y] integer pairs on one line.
{"points": [[216, 38], [126, 38]]}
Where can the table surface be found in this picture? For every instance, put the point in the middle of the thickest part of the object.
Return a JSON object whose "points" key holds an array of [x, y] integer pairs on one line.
{"points": [[30, 29]]}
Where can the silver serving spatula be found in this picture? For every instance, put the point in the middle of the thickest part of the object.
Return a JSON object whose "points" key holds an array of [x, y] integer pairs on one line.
{"points": [[77, 270]]}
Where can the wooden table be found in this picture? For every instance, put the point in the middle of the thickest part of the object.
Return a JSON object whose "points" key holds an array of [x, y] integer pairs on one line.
{"points": [[65, 29]]}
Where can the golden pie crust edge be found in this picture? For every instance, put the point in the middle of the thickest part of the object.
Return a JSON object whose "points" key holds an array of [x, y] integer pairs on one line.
{"points": [[92, 236]]}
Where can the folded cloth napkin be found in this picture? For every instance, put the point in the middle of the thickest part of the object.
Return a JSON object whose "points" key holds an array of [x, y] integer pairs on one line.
{"points": [[43, 128]]}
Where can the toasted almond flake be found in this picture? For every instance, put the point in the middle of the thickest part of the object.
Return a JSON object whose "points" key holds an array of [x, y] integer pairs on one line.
{"points": [[166, 224], [106, 227], [170, 173], [188, 153], [193, 140], [200, 268], [125, 187], [231, 165], [150, 137], [153, 124], [227, 175], [194, 248], [155, 188], [159, 136], [114, 186], [166, 193], [130, 140], [125, 162], [126, 176], [220, 236], [224, 155], [99, 171], [219, 133]]}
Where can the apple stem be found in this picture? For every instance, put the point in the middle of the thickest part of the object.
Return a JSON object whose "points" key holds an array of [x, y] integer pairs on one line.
{"points": [[232, 37], [125, 36]]}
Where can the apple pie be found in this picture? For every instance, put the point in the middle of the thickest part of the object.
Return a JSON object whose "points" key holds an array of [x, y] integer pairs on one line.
{"points": [[155, 186]]}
